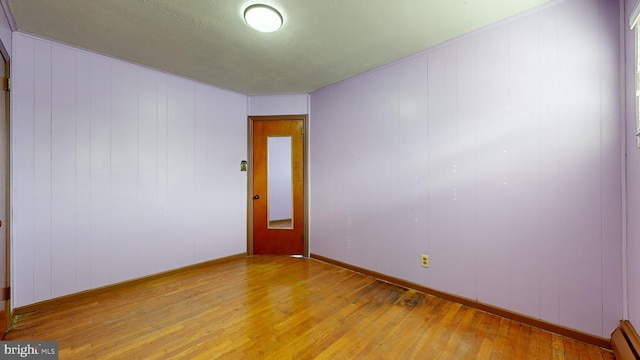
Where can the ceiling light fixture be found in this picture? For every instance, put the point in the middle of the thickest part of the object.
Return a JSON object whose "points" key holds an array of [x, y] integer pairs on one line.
{"points": [[263, 18]]}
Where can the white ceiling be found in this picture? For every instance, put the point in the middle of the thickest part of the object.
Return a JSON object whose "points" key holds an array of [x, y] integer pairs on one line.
{"points": [[321, 42]]}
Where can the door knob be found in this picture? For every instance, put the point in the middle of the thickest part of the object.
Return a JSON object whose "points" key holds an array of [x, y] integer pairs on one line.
{"points": [[256, 197]]}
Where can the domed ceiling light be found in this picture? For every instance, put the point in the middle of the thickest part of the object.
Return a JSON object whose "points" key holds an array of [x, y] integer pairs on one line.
{"points": [[263, 18]]}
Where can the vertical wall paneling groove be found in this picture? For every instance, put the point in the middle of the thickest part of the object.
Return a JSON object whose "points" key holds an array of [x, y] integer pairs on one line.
{"points": [[63, 157], [612, 215], [23, 196], [549, 168], [119, 171], [200, 149], [580, 275], [124, 154], [43, 171], [83, 171], [518, 127], [422, 170], [100, 169], [163, 173], [524, 165], [492, 185], [148, 205]]}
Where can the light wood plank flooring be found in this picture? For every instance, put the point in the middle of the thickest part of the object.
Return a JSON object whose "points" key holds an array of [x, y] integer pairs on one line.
{"points": [[283, 308]]}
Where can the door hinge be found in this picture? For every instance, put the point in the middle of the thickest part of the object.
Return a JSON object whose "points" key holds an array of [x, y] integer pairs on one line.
{"points": [[6, 294], [6, 84]]}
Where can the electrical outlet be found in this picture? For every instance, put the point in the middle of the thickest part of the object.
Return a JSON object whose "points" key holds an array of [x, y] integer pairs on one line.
{"points": [[424, 260]]}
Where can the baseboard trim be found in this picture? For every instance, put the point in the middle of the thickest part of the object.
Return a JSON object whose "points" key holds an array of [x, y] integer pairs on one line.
{"points": [[508, 314], [92, 292], [625, 342]]}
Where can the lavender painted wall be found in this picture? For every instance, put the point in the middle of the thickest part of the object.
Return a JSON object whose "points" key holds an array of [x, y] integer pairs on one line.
{"points": [[633, 176], [119, 171], [497, 155], [292, 104]]}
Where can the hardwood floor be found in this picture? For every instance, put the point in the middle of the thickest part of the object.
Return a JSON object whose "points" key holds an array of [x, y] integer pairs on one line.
{"points": [[282, 308]]}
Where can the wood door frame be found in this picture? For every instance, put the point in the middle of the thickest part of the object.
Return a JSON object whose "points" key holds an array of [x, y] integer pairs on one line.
{"points": [[8, 308], [305, 176]]}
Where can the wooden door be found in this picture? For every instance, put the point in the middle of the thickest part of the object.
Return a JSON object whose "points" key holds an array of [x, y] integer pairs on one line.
{"points": [[278, 187]]}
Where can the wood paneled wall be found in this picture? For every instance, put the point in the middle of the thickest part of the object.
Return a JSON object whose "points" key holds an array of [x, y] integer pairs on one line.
{"points": [[497, 154], [289, 104], [632, 173], [118, 171]]}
